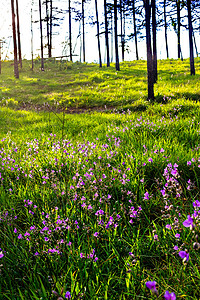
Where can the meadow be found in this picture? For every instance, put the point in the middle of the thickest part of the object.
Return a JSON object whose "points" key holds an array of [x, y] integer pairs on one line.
{"points": [[99, 187]]}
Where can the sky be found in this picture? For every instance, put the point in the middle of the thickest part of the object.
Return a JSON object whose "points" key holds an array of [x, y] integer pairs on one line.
{"points": [[61, 35]]}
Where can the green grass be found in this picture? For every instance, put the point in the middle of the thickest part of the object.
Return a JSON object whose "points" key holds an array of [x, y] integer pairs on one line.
{"points": [[102, 171], [86, 86]]}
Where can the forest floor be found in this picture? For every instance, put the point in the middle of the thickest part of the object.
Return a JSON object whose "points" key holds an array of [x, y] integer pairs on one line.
{"points": [[99, 187]]}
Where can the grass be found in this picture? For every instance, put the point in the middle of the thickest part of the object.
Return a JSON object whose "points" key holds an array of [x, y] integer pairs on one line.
{"points": [[93, 203], [86, 86]]}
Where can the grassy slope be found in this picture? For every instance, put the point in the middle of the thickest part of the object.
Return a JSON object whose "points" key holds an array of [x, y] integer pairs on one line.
{"points": [[123, 145], [78, 85]]}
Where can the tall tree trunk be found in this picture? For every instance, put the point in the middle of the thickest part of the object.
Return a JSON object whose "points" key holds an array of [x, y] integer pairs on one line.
{"points": [[70, 31], [122, 27], [51, 26], [192, 68], [41, 37], [116, 37], [16, 70], [149, 51], [32, 36], [155, 71], [135, 31], [98, 37], [178, 27], [18, 35], [112, 37], [165, 21], [47, 20], [0, 54], [83, 23], [106, 34], [195, 44]]}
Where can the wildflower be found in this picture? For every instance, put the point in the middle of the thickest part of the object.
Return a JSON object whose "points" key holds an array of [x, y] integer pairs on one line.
{"points": [[168, 226], [15, 230], [176, 247], [1, 254], [152, 286], [177, 235], [169, 296], [146, 196], [67, 295], [188, 222], [184, 255]]}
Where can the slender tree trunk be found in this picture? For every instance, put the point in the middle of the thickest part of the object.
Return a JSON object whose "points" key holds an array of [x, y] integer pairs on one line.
{"points": [[122, 32], [41, 37], [106, 34], [116, 37], [195, 44], [32, 36], [178, 27], [16, 71], [47, 20], [98, 37], [149, 51], [83, 23], [112, 37], [192, 68], [0, 54], [155, 71], [51, 26], [18, 35], [135, 31], [70, 31], [165, 21]]}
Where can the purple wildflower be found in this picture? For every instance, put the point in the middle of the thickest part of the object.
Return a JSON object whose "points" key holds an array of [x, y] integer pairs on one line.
{"points": [[184, 255], [67, 295], [152, 286], [188, 222], [169, 296], [168, 226]]}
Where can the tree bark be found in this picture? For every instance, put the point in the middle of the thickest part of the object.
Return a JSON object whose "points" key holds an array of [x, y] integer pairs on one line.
{"points": [[155, 71], [70, 31], [192, 68], [0, 54], [18, 35], [106, 34], [32, 36], [41, 37], [149, 51], [51, 26], [165, 21], [16, 70], [122, 32], [178, 27], [83, 23], [98, 37], [116, 37], [135, 31], [47, 20]]}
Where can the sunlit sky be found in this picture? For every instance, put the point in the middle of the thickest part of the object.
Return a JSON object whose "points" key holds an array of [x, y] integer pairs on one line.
{"points": [[61, 35]]}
